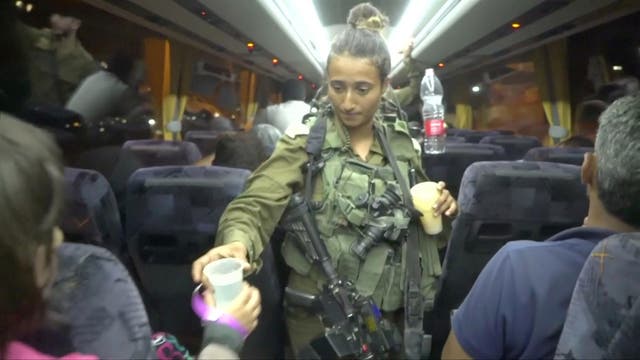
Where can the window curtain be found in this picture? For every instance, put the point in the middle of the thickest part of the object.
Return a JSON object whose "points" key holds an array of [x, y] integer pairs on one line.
{"points": [[552, 79], [248, 103], [181, 66], [156, 59], [461, 99]]}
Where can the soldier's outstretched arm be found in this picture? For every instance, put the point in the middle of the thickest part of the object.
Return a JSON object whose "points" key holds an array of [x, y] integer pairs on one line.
{"points": [[249, 221]]}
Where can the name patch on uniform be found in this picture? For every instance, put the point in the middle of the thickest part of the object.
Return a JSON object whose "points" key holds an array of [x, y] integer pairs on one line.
{"points": [[296, 129]]}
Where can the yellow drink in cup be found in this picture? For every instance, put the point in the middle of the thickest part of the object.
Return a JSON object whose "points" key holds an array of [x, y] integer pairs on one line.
{"points": [[425, 195]]}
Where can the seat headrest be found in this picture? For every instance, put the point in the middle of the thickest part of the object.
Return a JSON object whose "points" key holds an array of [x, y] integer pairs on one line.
{"points": [[523, 191]]}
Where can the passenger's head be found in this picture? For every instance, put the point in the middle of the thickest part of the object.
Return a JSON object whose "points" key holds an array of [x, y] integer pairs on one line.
{"points": [[587, 115], [358, 66], [121, 65], [293, 89], [239, 150], [31, 202], [576, 141], [268, 135], [615, 167], [610, 92]]}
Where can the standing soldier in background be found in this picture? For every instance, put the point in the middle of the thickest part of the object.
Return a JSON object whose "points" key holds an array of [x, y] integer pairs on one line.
{"points": [[58, 62]]}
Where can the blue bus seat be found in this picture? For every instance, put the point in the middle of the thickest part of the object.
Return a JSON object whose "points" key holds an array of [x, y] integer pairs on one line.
{"points": [[565, 155], [160, 152], [91, 212]]}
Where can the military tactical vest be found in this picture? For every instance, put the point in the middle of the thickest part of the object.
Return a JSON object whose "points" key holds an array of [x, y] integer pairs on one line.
{"points": [[342, 197]]}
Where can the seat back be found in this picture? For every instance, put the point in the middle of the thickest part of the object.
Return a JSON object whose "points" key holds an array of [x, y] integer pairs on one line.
{"points": [[565, 155], [161, 153], [475, 136], [500, 202], [602, 320], [455, 139], [172, 219], [450, 165], [205, 140], [94, 292], [91, 212], [514, 146]]}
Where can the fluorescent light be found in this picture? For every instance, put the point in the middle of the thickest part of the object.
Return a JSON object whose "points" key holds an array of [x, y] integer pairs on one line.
{"points": [[475, 88], [300, 21], [617, 67], [407, 26]]}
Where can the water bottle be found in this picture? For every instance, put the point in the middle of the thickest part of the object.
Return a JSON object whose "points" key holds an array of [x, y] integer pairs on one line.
{"points": [[433, 113]]}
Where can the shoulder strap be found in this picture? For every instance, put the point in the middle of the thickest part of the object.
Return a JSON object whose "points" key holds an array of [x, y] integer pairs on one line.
{"points": [[315, 141], [414, 341]]}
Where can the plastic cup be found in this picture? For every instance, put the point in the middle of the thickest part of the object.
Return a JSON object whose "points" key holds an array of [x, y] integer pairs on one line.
{"points": [[425, 195], [225, 275]]}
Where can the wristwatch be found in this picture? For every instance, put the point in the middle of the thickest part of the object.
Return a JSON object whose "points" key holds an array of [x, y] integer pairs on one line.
{"points": [[212, 314]]}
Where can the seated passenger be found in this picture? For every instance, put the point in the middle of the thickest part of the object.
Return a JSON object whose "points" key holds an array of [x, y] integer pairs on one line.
{"points": [[31, 203], [586, 120], [268, 135], [602, 322], [517, 307], [290, 111], [240, 150], [576, 141]]}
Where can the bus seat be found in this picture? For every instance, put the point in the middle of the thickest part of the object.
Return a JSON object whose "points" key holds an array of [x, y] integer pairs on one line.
{"points": [[94, 292], [475, 136], [514, 146], [91, 212], [172, 219], [205, 140], [500, 202], [455, 139], [160, 152], [602, 320], [450, 165], [565, 155]]}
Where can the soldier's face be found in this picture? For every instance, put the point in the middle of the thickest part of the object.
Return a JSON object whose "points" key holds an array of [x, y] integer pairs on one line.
{"points": [[355, 89]]}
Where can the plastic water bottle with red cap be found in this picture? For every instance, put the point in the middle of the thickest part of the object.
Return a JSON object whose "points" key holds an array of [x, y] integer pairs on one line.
{"points": [[433, 113]]}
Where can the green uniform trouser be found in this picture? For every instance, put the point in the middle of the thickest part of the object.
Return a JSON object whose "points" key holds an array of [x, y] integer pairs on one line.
{"points": [[304, 326]]}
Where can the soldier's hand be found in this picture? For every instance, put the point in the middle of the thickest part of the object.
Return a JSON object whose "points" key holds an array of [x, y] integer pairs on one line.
{"points": [[231, 250], [446, 203]]}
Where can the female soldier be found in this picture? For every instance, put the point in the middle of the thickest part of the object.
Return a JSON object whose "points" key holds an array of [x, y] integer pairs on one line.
{"points": [[356, 170]]}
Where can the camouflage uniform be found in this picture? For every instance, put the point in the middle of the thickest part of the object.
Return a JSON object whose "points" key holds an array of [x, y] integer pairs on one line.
{"points": [[252, 217], [57, 66], [603, 321]]}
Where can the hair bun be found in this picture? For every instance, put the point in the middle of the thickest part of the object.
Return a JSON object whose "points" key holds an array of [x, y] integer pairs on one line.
{"points": [[367, 16]]}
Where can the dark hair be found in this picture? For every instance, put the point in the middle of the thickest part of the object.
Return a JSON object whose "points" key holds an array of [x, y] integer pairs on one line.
{"points": [[576, 141], [618, 159], [239, 150], [589, 111], [610, 92], [363, 38], [293, 89], [121, 64], [31, 202]]}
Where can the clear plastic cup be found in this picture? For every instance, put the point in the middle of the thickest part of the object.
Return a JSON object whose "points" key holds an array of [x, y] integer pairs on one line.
{"points": [[225, 275], [425, 195]]}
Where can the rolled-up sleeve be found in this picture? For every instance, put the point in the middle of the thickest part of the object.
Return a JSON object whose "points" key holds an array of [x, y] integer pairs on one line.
{"points": [[252, 217]]}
